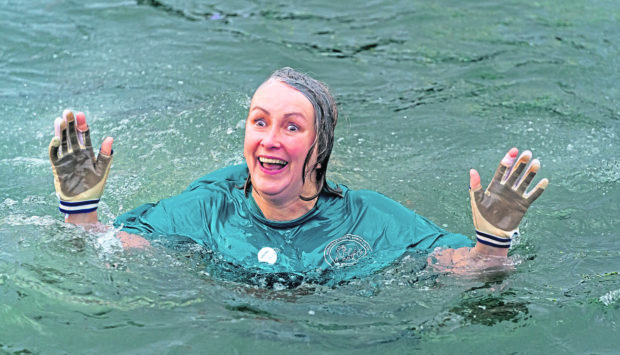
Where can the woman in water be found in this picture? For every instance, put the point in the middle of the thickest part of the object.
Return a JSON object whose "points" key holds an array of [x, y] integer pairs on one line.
{"points": [[277, 214]]}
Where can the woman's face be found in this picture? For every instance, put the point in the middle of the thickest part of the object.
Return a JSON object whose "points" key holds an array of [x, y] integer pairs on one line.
{"points": [[278, 134]]}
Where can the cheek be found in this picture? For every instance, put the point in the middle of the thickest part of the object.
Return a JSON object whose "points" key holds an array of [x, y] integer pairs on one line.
{"points": [[247, 147], [250, 139], [301, 146]]}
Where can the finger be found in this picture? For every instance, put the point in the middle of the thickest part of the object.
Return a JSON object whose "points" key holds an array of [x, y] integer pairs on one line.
{"points": [[71, 129], [518, 168], [537, 191], [106, 146], [60, 126], [82, 128], [104, 159], [510, 157], [506, 163], [80, 117], [474, 180], [53, 149], [83, 131], [532, 169], [88, 144], [499, 174]]}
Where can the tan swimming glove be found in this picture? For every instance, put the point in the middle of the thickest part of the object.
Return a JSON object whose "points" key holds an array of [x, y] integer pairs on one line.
{"points": [[79, 177], [498, 210]]}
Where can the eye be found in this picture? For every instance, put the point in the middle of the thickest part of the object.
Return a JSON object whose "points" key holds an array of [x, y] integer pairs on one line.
{"points": [[292, 127], [260, 122]]}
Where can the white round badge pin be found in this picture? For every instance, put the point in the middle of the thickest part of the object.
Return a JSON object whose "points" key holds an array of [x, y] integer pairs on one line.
{"points": [[267, 255]]}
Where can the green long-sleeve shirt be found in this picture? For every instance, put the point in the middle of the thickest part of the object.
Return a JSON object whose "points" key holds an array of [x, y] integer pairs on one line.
{"points": [[339, 239]]}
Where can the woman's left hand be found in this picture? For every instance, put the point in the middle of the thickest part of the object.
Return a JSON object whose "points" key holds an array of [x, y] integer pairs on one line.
{"points": [[498, 210]]}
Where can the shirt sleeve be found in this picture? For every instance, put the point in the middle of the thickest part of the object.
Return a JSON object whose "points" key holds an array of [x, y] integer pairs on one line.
{"points": [[404, 227], [430, 236], [191, 214], [182, 216]]}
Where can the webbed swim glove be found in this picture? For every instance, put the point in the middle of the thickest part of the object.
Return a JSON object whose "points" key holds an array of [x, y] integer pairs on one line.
{"points": [[79, 177], [498, 210]]}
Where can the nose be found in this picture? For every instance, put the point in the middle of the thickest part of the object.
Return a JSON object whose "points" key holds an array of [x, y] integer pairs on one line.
{"points": [[271, 139]]}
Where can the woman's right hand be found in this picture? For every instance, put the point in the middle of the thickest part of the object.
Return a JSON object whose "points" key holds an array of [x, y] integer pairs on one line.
{"points": [[79, 176]]}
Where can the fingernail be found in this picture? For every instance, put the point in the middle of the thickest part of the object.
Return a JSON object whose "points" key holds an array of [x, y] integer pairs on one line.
{"points": [[68, 115], [508, 160]]}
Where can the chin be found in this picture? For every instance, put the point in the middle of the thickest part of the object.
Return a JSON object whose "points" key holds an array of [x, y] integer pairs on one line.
{"points": [[268, 189]]}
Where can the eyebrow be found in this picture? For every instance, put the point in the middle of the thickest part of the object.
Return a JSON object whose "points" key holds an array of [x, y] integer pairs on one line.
{"points": [[285, 115], [259, 108]]}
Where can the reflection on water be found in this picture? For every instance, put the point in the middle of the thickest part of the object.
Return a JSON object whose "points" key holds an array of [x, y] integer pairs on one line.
{"points": [[426, 91]]}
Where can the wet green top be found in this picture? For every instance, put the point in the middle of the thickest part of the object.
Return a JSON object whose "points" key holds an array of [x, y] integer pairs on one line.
{"points": [[338, 239]]}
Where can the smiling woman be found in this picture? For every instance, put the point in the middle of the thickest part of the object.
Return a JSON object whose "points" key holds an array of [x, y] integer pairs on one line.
{"points": [[279, 135], [278, 215]]}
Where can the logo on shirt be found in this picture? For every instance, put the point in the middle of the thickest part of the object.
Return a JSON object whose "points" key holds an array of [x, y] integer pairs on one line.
{"points": [[346, 251]]}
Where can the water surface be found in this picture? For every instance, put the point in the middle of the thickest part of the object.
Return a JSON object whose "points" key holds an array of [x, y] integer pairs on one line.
{"points": [[427, 90]]}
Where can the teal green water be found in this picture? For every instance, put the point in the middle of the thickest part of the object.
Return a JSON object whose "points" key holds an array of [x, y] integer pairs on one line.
{"points": [[427, 90]]}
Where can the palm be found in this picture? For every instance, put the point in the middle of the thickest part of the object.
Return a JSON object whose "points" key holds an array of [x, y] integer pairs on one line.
{"points": [[505, 201]]}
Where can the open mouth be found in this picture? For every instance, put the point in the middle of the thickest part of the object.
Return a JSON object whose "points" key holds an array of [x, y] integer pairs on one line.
{"points": [[272, 164]]}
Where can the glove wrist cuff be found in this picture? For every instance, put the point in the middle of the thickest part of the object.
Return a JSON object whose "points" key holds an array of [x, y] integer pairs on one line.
{"points": [[492, 240], [78, 207]]}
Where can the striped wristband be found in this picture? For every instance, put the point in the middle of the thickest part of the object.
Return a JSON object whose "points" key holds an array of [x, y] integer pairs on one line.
{"points": [[78, 207], [491, 240]]}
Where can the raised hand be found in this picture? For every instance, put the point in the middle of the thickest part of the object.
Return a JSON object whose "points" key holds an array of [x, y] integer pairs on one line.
{"points": [[79, 176], [498, 210]]}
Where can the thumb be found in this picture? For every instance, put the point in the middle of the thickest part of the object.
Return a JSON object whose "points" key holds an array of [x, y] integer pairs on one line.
{"points": [[474, 180], [106, 146]]}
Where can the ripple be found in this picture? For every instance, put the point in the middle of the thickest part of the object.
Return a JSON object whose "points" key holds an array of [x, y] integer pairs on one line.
{"points": [[23, 220]]}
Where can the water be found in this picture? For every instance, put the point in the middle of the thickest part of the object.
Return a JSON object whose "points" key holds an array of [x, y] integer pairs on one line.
{"points": [[427, 90]]}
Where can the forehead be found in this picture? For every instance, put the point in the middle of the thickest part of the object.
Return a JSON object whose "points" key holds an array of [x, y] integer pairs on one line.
{"points": [[275, 95]]}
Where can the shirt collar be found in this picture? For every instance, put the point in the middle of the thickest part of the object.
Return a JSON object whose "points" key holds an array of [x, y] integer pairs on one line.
{"points": [[258, 214]]}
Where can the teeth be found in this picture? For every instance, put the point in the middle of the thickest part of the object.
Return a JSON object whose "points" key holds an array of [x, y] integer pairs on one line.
{"points": [[271, 161]]}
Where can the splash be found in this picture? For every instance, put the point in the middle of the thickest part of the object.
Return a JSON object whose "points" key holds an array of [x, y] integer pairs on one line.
{"points": [[610, 297]]}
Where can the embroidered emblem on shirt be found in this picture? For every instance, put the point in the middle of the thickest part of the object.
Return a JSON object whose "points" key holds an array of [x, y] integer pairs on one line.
{"points": [[346, 250], [267, 255]]}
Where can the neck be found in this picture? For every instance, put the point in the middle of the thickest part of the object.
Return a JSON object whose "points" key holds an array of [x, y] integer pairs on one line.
{"points": [[276, 210], [279, 209]]}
